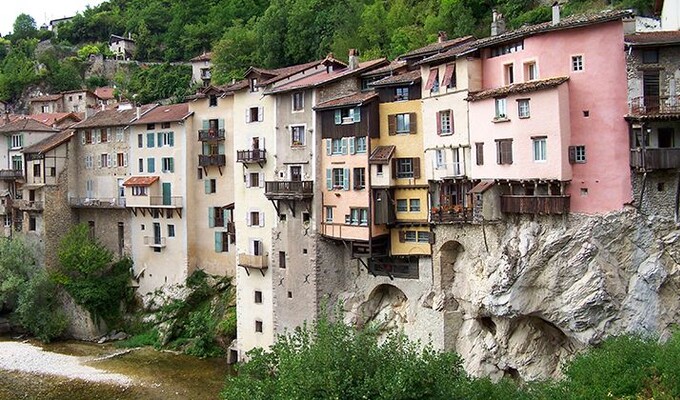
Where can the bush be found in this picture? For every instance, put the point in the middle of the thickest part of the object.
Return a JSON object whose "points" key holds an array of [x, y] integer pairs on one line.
{"points": [[39, 310]]}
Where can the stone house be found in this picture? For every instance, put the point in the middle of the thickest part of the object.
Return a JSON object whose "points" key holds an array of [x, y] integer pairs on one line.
{"points": [[123, 48], [201, 69]]}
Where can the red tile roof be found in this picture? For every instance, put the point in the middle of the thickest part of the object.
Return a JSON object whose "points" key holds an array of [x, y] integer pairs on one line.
{"points": [[53, 118], [113, 117], [355, 99], [387, 69], [203, 57], [140, 180], [285, 72], [49, 97], [516, 88], [104, 93], [51, 142], [653, 38], [381, 154], [436, 47], [26, 125], [448, 54], [405, 78], [171, 113]]}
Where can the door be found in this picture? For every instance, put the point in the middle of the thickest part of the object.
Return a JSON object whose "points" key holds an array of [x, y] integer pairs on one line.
{"points": [[156, 233], [650, 88], [256, 143], [296, 173], [167, 199], [666, 137], [121, 192]]}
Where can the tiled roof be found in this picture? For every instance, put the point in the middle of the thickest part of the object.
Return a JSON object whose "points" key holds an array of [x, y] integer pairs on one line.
{"points": [[436, 47], [382, 154], [408, 77], [171, 113], [323, 77], [26, 124], [482, 186], [104, 93], [345, 101], [49, 97], [140, 180], [387, 69], [114, 117], [53, 118], [574, 21], [51, 142], [203, 57], [516, 88], [653, 38], [285, 72], [448, 54]]}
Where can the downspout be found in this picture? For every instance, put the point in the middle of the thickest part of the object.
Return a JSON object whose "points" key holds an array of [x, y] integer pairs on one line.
{"points": [[370, 190]]}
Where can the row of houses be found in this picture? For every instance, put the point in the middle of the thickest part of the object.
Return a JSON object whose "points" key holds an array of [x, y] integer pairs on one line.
{"points": [[308, 181]]}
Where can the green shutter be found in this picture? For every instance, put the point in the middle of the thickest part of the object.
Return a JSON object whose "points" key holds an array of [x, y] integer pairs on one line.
{"points": [[357, 114], [343, 145], [351, 145], [225, 216], [345, 179], [206, 124], [329, 147], [206, 149], [220, 123], [220, 148], [160, 139], [211, 217], [207, 186], [150, 165], [338, 117], [172, 164], [218, 242], [149, 140], [329, 179], [171, 138]]}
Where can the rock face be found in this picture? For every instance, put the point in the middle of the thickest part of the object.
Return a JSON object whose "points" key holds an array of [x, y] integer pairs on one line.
{"points": [[520, 297]]}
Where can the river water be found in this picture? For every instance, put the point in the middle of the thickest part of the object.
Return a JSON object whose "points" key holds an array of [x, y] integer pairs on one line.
{"points": [[154, 375]]}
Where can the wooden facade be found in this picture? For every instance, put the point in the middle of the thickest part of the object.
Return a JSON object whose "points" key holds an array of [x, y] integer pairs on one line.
{"points": [[369, 124]]}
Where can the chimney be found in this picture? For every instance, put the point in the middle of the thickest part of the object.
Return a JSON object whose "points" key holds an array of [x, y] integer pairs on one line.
{"points": [[139, 111], [441, 37], [353, 59], [497, 24], [555, 13], [7, 117]]}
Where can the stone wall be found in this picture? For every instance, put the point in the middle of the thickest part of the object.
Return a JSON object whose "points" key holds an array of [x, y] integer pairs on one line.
{"points": [[661, 189], [58, 217]]}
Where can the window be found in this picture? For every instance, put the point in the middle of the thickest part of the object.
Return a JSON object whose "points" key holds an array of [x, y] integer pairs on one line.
{"points": [[358, 216], [650, 56], [171, 230], [401, 93], [449, 76], [439, 159], [359, 178], [139, 191], [338, 146], [540, 148], [255, 114], [212, 102], [523, 108], [479, 153], [501, 110], [329, 214], [253, 85], [104, 160], [89, 162], [140, 141], [258, 297], [254, 179], [151, 165], [504, 151], [338, 178], [577, 154], [506, 49], [87, 137], [410, 236], [423, 237], [36, 170], [444, 122], [577, 63], [32, 223], [282, 259], [347, 116], [141, 165], [210, 186], [103, 135], [298, 101], [297, 133], [51, 171], [166, 139], [379, 169], [150, 127], [361, 144], [530, 71], [168, 164], [403, 123], [119, 134], [407, 168], [509, 73], [414, 205], [17, 141], [254, 218], [17, 163], [402, 205], [121, 160]]}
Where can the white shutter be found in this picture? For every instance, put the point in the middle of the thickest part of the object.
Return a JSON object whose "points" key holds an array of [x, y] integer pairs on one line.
{"points": [[262, 143], [109, 161], [261, 179], [125, 160], [99, 136], [82, 137], [261, 218], [99, 162], [247, 179], [248, 223], [260, 113], [248, 115], [114, 160]]}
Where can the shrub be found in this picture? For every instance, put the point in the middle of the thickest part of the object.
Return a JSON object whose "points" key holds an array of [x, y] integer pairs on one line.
{"points": [[39, 310]]}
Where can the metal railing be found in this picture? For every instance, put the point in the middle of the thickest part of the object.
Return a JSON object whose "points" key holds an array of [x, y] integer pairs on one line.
{"points": [[159, 201], [218, 160], [251, 156], [87, 202], [289, 188], [655, 105], [11, 174], [154, 241], [206, 135]]}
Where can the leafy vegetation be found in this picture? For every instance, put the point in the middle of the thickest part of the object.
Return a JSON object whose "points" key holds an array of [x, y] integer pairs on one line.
{"points": [[149, 83], [333, 361], [87, 272]]}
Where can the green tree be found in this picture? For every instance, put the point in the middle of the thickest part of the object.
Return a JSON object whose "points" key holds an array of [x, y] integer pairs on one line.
{"points": [[234, 53], [24, 28]]}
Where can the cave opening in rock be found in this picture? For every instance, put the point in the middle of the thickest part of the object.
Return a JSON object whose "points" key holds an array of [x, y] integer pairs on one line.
{"points": [[385, 306], [448, 256], [487, 324]]}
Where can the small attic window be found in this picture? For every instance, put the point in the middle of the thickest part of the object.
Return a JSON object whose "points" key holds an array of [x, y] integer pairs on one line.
{"points": [[213, 101], [253, 85]]}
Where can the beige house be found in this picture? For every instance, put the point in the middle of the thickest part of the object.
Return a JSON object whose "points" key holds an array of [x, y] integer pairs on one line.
{"points": [[74, 101], [123, 48], [201, 69]]}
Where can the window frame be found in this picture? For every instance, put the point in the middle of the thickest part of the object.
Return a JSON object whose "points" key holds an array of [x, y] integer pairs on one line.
{"points": [[301, 131], [405, 124], [577, 63], [504, 154], [500, 108], [298, 101], [539, 146], [523, 108]]}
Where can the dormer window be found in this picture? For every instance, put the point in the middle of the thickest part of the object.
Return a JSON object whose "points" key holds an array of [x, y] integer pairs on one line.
{"points": [[253, 85], [213, 101], [401, 93], [347, 116]]}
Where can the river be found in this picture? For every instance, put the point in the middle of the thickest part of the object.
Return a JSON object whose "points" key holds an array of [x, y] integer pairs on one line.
{"points": [[104, 372]]}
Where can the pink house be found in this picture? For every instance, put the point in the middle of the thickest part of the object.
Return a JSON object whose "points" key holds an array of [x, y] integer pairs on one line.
{"points": [[549, 118]]}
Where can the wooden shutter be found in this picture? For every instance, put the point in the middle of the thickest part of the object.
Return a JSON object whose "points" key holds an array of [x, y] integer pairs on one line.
{"points": [[343, 145], [172, 164], [479, 153], [508, 151], [125, 159], [260, 179], [572, 154], [392, 124], [329, 148], [357, 114], [220, 123], [261, 216], [351, 144], [247, 115], [394, 168], [448, 76], [338, 117], [260, 114], [329, 179], [345, 179], [439, 123], [248, 221], [82, 139], [206, 124], [149, 140], [207, 186], [412, 123], [402, 236], [171, 139], [247, 179], [211, 217], [416, 168], [218, 242], [431, 78], [159, 140]]}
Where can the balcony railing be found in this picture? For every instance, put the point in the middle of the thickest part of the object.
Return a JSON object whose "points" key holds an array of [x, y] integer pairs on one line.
{"points": [[163, 201], [218, 160], [90, 202], [288, 189], [28, 205], [665, 158], [534, 204], [11, 174], [154, 241], [655, 105], [251, 156], [251, 261], [450, 214], [208, 135]]}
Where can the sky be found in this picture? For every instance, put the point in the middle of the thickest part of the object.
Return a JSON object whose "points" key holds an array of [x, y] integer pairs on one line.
{"points": [[41, 10]]}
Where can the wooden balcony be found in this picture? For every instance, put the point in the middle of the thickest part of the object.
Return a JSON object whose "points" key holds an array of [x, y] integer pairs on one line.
{"points": [[28, 205], [251, 156], [218, 160], [450, 215], [655, 105], [282, 190], [11, 174], [154, 201], [252, 261], [210, 135], [534, 204], [650, 159], [90, 202], [154, 241]]}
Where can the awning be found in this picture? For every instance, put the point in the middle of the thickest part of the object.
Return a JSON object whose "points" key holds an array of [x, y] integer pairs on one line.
{"points": [[140, 180], [482, 186], [381, 155]]}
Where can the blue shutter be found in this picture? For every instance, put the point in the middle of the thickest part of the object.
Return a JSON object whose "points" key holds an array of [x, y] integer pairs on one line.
{"points": [[338, 117], [329, 179], [343, 145], [149, 140], [357, 114], [172, 164], [171, 139], [160, 139], [329, 147], [225, 216], [345, 179], [211, 217], [220, 148], [151, 165], [218, 242], [207, 186], [206, 124], [220, 123], [351, 145]]}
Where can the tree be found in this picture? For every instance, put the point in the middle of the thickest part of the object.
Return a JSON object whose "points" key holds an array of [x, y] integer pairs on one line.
{"points": [[234, 53], [24, 28]]}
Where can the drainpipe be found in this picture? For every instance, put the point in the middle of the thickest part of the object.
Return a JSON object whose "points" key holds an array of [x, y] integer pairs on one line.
{"points": [[370, 192]]}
